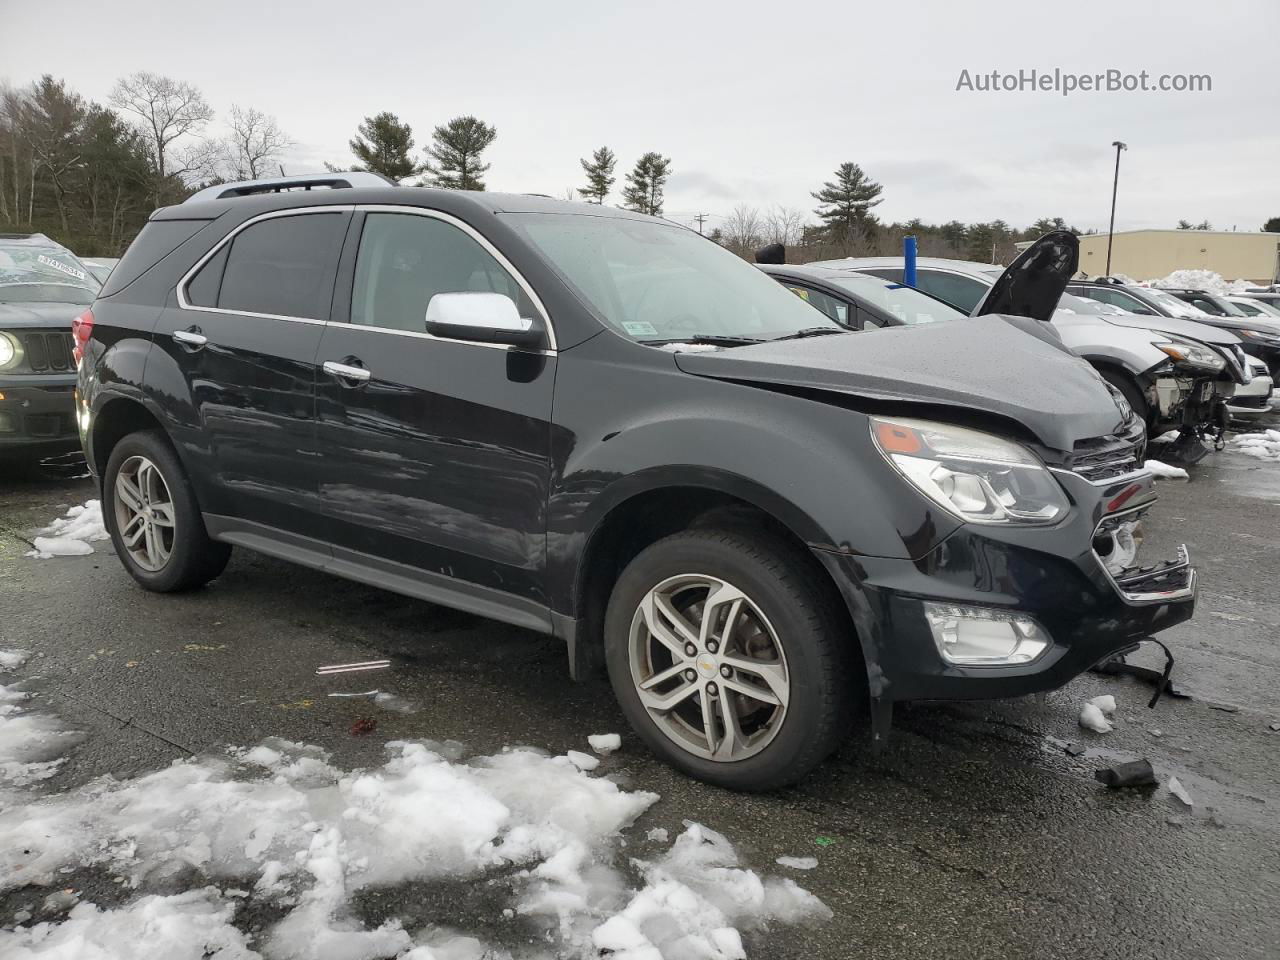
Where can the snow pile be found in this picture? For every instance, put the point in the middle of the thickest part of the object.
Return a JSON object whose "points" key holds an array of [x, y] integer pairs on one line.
{"points": [[195, 925], [303, 837], [1163, 471], [70, 535], [1262, 446], [692, 901], [1206, 280], [798, 863], [604, 743], [1094, 714]]}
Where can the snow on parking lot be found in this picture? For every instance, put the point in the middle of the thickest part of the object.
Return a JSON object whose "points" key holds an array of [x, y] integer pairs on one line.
{"points": [[279, 827], [70, 535], [1261, 446]]}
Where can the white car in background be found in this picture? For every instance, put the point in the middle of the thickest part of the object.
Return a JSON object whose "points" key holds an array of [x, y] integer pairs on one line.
{"points": [[1253, 399], [1263, 309], [1172, 371]]}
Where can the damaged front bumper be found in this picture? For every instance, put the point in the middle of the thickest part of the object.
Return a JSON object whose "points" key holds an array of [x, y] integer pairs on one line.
{"points": [[1086, 584]]}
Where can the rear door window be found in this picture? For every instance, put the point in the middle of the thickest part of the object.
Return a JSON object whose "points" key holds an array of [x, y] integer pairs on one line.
{"points": [[837, 310], [282, 266], [960, 291]]}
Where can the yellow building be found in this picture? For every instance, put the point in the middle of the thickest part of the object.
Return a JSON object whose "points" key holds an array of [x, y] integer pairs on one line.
{"points": [[1152, 254]]}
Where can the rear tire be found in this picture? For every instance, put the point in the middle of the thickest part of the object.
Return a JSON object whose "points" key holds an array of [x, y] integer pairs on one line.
{"points": [[150, 511], [784, 625]]}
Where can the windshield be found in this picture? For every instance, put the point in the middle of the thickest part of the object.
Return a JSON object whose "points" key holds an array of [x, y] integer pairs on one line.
{"points": [[1178, 308], [31, 273], [654, 282], [1074, 304], [906, 304]]}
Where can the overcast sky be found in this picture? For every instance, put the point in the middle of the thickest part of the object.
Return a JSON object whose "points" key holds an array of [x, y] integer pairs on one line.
{"points": [[753, 102]]}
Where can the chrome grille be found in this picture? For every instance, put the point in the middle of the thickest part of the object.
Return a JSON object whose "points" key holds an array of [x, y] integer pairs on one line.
{"points": [[1104, 458]]}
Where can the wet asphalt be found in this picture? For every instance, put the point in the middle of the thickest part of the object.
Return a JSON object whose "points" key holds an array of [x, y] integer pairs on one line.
{"points": [[973, 835]]}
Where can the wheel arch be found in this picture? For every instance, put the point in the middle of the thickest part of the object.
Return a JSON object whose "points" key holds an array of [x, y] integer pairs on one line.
{"points": [[651, 507]]}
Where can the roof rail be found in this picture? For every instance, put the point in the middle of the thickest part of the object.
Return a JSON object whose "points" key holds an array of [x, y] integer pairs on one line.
{"points": [[247, 188]]}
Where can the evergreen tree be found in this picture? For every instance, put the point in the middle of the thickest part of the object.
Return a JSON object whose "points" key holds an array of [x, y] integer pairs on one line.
{"points": [[645, 184], [846, 202], [600, 178], [980, 242], [1272, 225], [382, 145], [455, 155]]}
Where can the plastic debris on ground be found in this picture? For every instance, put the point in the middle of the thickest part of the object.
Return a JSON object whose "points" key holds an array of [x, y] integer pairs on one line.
{"points": [[797, 863], [291, 837], [71, 534], [1163, 471], [1260, 446], [604, 743], [1179, 791], [1136, 773]]}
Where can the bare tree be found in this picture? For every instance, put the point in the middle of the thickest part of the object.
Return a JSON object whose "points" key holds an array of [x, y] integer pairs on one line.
{"points": [[255, 141], [168, 110], [783, 225], [742, 230]]}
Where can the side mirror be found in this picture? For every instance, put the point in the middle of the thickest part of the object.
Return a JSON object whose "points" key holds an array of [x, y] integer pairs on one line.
{"points": [[480, 318]]}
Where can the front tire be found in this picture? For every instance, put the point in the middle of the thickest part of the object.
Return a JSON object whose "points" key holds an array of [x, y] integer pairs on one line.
{"points": [[150, 511], [727, 658], [1130, 390]]}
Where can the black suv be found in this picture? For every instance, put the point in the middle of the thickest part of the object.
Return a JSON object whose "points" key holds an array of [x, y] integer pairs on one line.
{"points": [[605, 427]]}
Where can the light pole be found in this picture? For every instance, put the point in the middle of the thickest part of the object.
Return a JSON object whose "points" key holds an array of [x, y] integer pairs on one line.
{"points": [[1114, 186]]}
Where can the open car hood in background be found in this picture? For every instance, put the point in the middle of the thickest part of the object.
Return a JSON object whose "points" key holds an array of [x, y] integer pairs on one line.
{"points": [[996, 365], [1034, 283]]}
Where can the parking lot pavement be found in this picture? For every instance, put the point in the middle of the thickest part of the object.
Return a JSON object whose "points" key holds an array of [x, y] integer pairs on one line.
{"points": [[973, 835]]}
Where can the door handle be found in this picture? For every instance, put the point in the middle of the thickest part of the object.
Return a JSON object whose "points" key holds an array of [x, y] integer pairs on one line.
{"points": [[345, 371], [191, 338]]}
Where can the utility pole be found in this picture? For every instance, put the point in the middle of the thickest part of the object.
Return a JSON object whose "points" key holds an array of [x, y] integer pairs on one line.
{"points": [[1115, 184], [701, 218]]}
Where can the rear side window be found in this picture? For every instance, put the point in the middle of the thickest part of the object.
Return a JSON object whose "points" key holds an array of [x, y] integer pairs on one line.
{"points": [[157, 240], [281, 266], [963, 292], [833, 308]]}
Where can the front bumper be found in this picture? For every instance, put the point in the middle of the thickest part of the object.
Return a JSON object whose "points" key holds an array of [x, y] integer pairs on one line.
{"points": [[1053, 575], [1253, 399], [37, 416]]}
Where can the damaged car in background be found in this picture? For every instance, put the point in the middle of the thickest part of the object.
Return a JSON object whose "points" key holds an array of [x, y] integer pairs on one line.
{"points": [[42, 288], [609, 429], [1177, 375]]}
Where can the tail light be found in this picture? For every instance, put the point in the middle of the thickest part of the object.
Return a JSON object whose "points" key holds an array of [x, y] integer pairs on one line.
{"points": [[81, 331]]}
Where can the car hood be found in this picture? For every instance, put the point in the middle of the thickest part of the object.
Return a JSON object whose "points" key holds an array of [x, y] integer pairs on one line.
{"points": [[998, 365], [1242, 323], [16, 316], [1033, 284], [1204, 332]]}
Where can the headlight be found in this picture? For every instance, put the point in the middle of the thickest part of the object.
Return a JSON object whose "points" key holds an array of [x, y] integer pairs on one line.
{"points": [[1190, 354], [976, 476], [10, 351], [1261, 337]]}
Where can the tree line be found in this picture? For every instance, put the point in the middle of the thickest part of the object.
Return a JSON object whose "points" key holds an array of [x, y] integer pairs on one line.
{"points": [[89, 174]]}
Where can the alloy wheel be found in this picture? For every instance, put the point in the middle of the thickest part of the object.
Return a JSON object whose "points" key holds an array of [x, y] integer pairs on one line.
{"points": [[708, 667], [144, 513]]}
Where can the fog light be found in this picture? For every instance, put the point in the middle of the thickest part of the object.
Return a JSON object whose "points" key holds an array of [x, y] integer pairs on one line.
{"points": [[983, 637], [6, 424]]}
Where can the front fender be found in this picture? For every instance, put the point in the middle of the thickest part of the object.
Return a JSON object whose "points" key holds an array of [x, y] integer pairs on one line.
{"points": [[809, 464], [1128, 348]]}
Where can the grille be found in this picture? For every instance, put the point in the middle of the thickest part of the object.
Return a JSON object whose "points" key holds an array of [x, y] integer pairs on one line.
{"points": [[48, 352], [1250, 403], [1104, 458], [50, 425]]}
